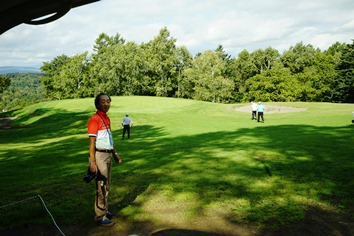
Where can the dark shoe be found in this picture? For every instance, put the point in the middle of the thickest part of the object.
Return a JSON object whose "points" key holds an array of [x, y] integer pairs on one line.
{"points": [[110, 215], [105, 222]]}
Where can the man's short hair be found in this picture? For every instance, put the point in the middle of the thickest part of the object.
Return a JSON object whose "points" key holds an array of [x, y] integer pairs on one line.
{"points": [[97, 99]]}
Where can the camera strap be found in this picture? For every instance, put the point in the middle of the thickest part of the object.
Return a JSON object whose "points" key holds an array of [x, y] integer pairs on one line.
{"points": [[103, 191]]}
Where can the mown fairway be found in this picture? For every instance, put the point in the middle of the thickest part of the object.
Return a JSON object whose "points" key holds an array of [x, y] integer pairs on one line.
{"points": [[189, 164]]}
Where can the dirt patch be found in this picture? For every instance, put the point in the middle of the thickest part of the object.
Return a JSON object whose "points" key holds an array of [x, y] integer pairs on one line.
{"points": [[273, 109]]}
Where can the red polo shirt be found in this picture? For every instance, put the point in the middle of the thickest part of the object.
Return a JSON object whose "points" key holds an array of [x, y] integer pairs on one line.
{"points": [[99, 126]]}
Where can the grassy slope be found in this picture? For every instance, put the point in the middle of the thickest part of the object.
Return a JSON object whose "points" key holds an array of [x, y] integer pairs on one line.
{"points": [[187, 160]]}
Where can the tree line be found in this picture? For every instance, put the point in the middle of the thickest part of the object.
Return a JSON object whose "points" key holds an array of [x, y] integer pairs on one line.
{"points": [[161, 68], [18, 90]]}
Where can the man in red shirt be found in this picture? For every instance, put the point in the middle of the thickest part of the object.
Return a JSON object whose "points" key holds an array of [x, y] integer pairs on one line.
{"points": [[101, 151]]}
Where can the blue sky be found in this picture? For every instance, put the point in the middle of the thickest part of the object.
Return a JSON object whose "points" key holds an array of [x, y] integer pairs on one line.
{"points": [[199, 25]]}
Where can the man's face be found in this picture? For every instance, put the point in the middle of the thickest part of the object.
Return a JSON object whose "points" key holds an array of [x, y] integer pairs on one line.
{"points": [[105, 103]]}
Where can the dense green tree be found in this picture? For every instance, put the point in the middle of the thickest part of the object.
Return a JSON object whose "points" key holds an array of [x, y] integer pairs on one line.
{"points": [[260, 60], [103, 42], [118, 72], [264, 59], [4, 83], [243, 69], [101, 63], [64, 77], [185, 60], [161, 71], [227, 59], [52, 67], [276, 84], [316, 80], [248, 65], [104, 73], [298, 57], [51, 79], [206, 77], [344, 82], [72, 76], [220, 51], [228, 71]]}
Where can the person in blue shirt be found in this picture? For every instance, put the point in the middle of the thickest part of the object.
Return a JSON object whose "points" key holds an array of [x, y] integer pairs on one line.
{"points": [[260, 110]]}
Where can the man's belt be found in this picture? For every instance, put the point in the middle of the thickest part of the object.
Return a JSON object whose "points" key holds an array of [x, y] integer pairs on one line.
{"points": [[104, 150]]}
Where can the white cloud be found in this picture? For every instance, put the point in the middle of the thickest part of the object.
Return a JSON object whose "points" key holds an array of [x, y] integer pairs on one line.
{"points": [[197, 24]]}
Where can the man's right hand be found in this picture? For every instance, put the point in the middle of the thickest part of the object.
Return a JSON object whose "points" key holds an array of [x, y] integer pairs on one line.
{"points": [[93, 167]]}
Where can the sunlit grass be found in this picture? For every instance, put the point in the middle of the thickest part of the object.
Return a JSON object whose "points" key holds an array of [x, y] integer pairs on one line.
{"points": [[187, 161]]}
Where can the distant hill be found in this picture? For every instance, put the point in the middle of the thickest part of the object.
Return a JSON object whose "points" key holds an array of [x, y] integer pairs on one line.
{"points": [[18, 69]]}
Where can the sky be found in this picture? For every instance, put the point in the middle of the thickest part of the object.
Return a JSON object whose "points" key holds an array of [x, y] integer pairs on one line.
{"points": [[199, 25]]}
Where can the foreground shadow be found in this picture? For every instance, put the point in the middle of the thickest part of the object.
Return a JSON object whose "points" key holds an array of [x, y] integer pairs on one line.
{"points": [[183, 232]]}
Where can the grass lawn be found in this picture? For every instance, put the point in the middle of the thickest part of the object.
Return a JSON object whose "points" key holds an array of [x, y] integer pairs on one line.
{"points": [[187, 163]]}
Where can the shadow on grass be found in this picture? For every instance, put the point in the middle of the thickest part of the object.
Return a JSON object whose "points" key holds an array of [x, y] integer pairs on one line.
{"points": [[53, 159], [184, 232]]}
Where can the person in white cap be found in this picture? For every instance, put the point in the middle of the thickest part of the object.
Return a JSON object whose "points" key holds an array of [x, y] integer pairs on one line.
{"points": [[126, 123], [254, 110]]}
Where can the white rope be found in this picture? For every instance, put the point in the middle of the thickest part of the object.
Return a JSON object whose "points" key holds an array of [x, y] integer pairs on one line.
{"points": [[43, 205], [17, 202]]}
